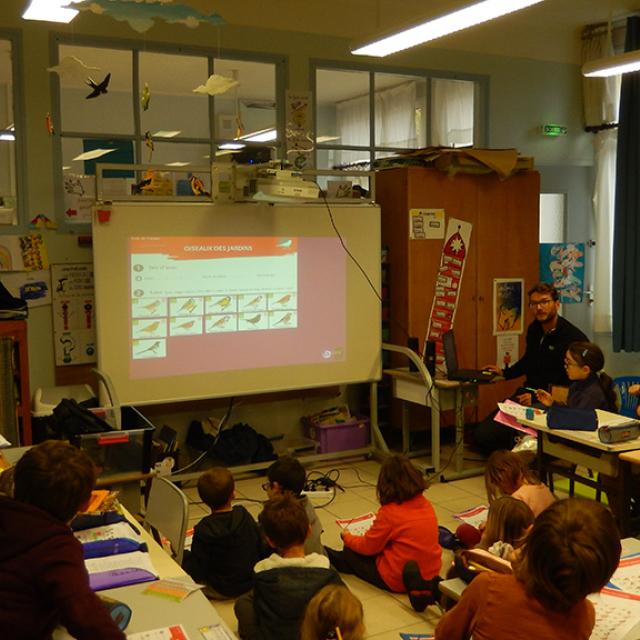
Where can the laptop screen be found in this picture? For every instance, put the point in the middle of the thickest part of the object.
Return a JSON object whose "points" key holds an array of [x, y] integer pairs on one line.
{"points": [[450, 354]]}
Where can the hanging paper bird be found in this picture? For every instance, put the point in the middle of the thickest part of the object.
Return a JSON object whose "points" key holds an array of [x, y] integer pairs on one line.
{"points": [[98, 88], [146, 97], [197, 186], [148, 142]]}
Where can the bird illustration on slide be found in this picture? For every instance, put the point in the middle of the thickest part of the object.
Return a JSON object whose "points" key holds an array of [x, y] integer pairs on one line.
{"points": [[254, 321]]}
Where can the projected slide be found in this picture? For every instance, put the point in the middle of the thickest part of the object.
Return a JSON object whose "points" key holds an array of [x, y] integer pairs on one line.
{"points": [[223, 303]]}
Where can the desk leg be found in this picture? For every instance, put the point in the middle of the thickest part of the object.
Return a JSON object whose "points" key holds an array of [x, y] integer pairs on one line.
{"points": [[624, 491], [376, 434], [435, 429]]}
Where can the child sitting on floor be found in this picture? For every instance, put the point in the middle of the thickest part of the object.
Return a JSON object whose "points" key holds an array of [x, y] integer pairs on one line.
{"points": [[507, 474], [227, 543], [333, 613], [571, 551], [285, 582], [287, 476], [405, 532], [507, 523], [591, 388], [42, 572]]}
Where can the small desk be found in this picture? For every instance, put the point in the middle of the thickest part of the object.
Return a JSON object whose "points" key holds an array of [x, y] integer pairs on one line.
{"points": [[419, 387], [152, 612], [593, 454]]}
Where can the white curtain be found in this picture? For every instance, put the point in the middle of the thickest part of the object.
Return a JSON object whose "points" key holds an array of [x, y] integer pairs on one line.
{"points": [[396, 116], [604, 192], [452, 112], [601, 102], [353, 128]]}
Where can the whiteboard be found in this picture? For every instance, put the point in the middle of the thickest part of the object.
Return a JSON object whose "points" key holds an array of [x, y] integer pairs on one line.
{"points": [[202, 301]]}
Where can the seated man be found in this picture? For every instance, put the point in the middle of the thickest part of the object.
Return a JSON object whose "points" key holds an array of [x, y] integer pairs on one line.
{"points": [[542, 363]]}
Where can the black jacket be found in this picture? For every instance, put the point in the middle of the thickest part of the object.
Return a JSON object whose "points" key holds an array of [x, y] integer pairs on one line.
{"points": [[281, 596], [588, 394], [224, 550], [543, 359]]}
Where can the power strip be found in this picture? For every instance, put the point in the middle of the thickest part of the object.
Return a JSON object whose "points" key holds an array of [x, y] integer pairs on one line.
{"points": [[318, 494]]}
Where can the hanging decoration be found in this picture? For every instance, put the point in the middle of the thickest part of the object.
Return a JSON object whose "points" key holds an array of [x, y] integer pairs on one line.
{"points": [[148, 142], [98, 88], [448, 282], [141, 16], [215, 85], [72, 67], [146, 97]]}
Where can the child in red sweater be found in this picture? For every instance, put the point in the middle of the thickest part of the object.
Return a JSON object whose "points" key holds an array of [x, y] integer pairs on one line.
{"points": [[405, 530], [571, 551]]}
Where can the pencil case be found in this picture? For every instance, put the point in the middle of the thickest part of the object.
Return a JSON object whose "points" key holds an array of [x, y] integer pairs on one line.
{"points": [[619, 432]]}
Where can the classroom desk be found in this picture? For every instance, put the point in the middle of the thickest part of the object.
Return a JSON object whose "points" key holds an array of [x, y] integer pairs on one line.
{"points": [[593, 454], [151, 612], [454, 587], [418, 387]]}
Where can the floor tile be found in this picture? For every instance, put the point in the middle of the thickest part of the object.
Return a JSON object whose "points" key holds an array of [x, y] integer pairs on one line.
{"points": [[383, 613]]}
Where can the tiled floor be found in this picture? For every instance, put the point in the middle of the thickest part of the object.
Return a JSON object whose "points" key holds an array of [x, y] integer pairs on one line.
{"points": [[386, 614]]}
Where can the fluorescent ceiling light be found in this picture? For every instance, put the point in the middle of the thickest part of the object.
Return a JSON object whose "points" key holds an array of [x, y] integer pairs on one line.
{"points": [[50, 11], [93, 154], [7, 135], [476, 13], [612, 65], [321, 139], [177, 163], [166, 134], [231, 146], [265, 135]]}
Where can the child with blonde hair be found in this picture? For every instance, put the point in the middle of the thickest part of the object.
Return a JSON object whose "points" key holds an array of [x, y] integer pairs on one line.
{"points": [[507, 474], [507, 523], [571, 551], [334, 613]]}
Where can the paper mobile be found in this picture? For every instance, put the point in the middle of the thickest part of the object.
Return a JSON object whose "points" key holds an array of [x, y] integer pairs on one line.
{"points": [[98, 88], [146, 97], [141, 16], [148, 142], [72, 67], [216, 85]]}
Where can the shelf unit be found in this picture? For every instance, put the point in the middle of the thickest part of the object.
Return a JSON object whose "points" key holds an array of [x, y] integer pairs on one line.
{"points": [[16, 330]]}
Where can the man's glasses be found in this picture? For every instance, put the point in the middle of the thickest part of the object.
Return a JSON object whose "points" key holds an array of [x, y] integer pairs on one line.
{"points": [[534, 304]]}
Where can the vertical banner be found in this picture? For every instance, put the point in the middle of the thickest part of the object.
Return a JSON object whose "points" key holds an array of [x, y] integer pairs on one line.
{"points": [[508, 305], [562, 263], [299, 129], [448, 282], [73, 309]]}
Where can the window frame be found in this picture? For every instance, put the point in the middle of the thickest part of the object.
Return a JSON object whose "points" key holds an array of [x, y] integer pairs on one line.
{"points": [[15, 37], [137, 47], [481, 101]]}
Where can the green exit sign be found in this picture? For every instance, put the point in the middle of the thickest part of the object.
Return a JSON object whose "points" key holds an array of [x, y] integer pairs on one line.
{"points": [[553, 130]]}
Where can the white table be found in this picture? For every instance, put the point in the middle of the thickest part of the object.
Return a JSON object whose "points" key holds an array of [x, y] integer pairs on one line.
{"points": [[418, 387], [593, 454], [151, 612]]}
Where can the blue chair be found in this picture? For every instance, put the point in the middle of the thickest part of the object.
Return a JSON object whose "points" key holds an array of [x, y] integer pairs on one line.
{"points": [[628, 403]]}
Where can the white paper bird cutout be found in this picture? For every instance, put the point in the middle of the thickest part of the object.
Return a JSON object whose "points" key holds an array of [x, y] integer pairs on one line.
{"points": [[216, 84], [72, 67]]}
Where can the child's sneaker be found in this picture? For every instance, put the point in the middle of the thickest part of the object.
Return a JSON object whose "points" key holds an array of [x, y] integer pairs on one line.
{"points": [[421, 592]]}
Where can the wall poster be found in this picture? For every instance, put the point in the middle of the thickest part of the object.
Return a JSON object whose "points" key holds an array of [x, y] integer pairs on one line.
{"points": [[508, 305], [562, 263]]}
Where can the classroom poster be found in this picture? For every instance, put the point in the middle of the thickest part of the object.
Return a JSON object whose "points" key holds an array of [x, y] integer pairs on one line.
{"points": [[299, 129], [34, 287], [448, 282], [23, 253], [508, 305], [562, 263], [79, 198], [426, 224], [508, 352], [73, 309]]}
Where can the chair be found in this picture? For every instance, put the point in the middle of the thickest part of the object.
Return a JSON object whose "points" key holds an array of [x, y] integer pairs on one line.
{"points": [[628, 403], [167, 514]]}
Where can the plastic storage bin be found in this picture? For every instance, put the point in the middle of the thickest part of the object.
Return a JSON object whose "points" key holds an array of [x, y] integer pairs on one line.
{"points": [[123, 451], [339, 436]]}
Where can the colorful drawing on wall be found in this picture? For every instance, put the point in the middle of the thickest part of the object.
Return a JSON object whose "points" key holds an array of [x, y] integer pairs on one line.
{"points": [[448, 283], [141, 16], [299, 129], [508, 305], [563, 264]]}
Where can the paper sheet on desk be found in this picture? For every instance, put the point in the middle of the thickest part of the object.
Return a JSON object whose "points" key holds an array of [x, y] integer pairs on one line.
{"points": [[616, 615], [108, 532], [175, 632], [627, 575], [509, 413]]}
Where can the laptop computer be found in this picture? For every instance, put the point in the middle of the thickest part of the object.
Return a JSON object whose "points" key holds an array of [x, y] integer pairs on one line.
{"points": [[451, 360]]}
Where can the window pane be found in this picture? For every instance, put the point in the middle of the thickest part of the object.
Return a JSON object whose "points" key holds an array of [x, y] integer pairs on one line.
{"points": [[342, 107], [249, 108], [7, 137], [452, 107], [400, 111], [173, 106], [110, 112], [123, 153], [177, 154]]}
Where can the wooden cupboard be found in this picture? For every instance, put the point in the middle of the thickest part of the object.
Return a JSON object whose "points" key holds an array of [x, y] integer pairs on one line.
{"points": [[504, 243]]}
